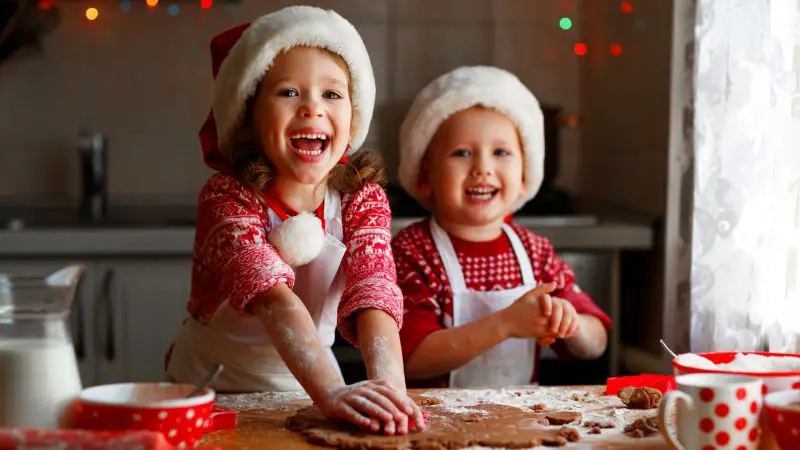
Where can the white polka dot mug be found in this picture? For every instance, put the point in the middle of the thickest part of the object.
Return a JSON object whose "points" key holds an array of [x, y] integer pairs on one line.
{"points": [[149, 406], [713, 412]]}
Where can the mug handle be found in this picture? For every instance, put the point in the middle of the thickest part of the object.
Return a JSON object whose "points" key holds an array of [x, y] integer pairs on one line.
{"points": [[664, 423]]}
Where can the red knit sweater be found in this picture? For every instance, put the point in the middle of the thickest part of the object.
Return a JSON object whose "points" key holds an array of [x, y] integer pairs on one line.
{"points": [[233, 262], [491, 265]]}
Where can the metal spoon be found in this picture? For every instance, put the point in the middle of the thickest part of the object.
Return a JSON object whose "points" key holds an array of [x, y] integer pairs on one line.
{"points": [[217, 369], [664, 344]]}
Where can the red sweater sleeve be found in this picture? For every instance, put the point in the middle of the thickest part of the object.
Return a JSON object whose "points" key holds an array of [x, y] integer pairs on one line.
{"points": [[421, 308], [371, 279], [233, 261]]}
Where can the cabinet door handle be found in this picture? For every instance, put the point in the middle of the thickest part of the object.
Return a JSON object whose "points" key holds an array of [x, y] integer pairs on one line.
{"points": [[108, 304], [77, 313]]}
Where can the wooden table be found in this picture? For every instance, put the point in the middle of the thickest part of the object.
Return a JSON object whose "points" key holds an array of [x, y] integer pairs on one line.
{"points": [[261, 421]]}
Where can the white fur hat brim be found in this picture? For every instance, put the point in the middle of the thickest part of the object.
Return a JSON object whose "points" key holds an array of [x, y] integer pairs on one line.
{"points": [[462, 89], [252, 55]]}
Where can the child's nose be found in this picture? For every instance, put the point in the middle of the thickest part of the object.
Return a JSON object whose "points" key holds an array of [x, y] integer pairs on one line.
{"points": [[481, 170], [482, 167], [310, 109]]}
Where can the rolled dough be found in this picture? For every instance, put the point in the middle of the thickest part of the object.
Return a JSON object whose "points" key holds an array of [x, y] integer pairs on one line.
{"points": [[488, 425]]}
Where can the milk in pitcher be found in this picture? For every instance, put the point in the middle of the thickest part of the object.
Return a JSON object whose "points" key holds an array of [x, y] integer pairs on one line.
{"points": [[38, 378]]}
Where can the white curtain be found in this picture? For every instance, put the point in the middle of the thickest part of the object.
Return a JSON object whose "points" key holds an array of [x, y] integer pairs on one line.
{"points": [[745, 270]]}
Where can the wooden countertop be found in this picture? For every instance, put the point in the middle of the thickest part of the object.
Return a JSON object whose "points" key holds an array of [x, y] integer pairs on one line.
{"points": [[262, 416]]}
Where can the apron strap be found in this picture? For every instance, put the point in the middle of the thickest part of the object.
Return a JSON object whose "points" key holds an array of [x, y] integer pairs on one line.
{"points": [[448, 256], [332, 214], [523, 259]]}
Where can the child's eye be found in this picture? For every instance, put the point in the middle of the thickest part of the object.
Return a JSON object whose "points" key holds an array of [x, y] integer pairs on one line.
{"points": [[333, 95], [502, 152], [461, 153], [288, 92]]}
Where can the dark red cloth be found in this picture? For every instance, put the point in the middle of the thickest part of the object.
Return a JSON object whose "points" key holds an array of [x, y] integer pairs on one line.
{"points": [[221, 45]]}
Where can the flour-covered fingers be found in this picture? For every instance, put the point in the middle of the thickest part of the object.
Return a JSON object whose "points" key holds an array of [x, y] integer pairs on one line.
{"points": [[399, 399], [350, 414], [418, 418], [379, 397], [389, 428], [375, 426], [369, 408], [401, 426]]}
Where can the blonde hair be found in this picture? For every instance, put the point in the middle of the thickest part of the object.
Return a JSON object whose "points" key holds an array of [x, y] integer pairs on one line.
{"points": [[253, 169]]}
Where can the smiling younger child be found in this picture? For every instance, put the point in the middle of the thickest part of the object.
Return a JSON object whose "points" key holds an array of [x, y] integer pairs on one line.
{"points": [[479, 293]]}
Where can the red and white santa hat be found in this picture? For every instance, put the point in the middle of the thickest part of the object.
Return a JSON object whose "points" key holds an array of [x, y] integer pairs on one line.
{"points": [[242, 55], [462, 89]]}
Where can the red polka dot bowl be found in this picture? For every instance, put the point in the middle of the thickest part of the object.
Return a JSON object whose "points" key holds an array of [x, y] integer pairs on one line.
{"points": [[148, 406], [773, 381], [783, 410]]}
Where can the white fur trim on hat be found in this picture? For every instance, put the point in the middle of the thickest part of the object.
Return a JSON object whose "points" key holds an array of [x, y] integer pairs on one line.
{"points": [[298, 239], [252, 55], [462, 89]]}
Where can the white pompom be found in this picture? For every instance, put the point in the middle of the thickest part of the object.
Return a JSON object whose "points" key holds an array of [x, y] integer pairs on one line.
{"points": [[299, 239]]}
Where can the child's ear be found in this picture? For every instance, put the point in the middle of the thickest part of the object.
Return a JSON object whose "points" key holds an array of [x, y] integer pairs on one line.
{"points": [[524, 189]]}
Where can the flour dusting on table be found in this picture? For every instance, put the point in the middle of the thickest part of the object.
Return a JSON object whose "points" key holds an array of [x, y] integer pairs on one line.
{"points": [[258, 400], [593, 406]]}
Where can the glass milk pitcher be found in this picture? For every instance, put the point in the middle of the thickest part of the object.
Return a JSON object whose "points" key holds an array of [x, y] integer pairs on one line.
{"points": [[38, 368]]}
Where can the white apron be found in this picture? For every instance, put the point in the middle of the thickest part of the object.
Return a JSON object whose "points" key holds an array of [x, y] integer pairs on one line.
{"points": [[243, 346], [509, 363]]}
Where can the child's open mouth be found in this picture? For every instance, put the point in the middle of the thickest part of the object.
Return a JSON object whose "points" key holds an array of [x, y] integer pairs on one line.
{"points": [[309, 146], [481, 194]]}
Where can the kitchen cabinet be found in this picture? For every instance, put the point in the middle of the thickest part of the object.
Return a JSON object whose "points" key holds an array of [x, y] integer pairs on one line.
{"points": [[125, 314], [593, 274], [140, 309]]}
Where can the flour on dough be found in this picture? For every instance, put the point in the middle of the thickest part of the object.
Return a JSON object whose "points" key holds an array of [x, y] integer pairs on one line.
{"points": [[487, 425]]}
